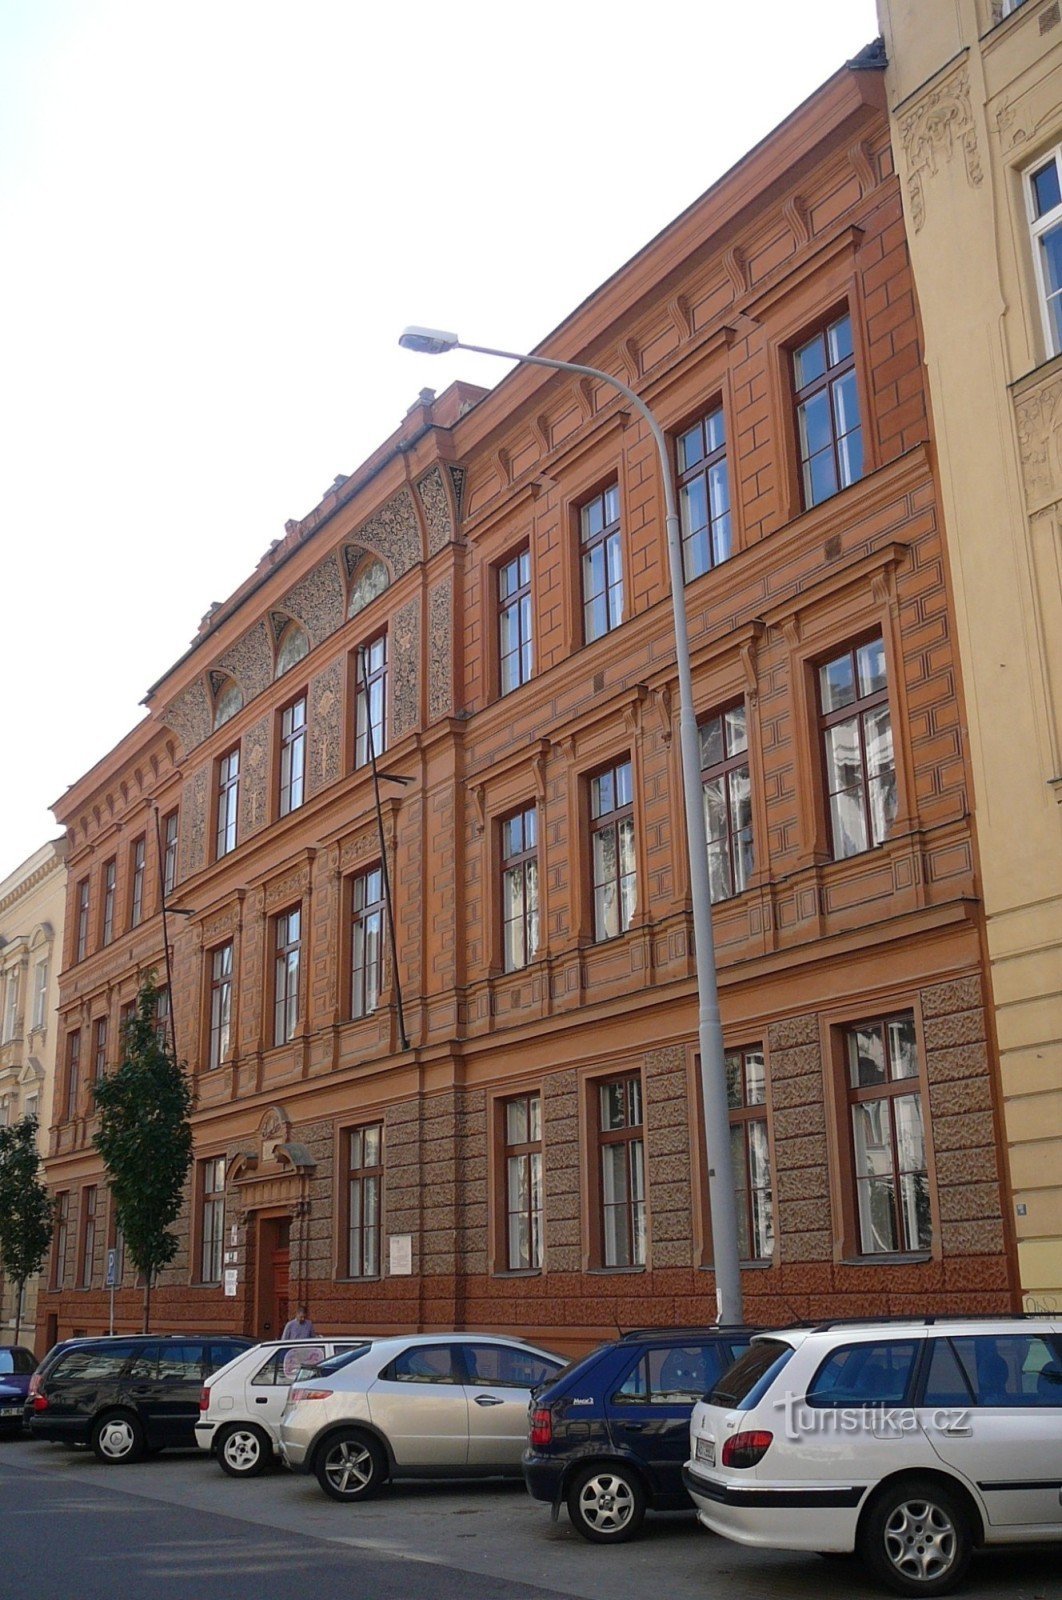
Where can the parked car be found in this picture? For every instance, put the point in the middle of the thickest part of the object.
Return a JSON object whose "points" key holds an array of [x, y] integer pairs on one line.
{"points": [[416, 1406], [609, 1435], [910, 1443], [127, 1394], [17, 1366], [240, 1405]]}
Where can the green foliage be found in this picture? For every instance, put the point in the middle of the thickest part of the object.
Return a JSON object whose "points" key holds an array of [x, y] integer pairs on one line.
{"points": [[26, 1209], [145, 1137]]}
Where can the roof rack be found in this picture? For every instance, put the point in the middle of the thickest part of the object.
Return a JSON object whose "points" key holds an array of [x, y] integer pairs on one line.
{"points": [[922, 1320], [666, 1330]]}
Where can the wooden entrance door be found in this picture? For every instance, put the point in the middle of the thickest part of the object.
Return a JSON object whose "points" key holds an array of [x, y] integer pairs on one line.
{"points": [[272, 1269], [281, 1279]]}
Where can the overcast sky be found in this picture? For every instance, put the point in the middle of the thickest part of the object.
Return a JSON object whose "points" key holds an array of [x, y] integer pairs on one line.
{"points": [[216, 219]]}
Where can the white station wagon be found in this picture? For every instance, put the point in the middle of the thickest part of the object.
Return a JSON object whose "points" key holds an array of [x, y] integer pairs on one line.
{"points": [[909, 1442], [240, 1406]]}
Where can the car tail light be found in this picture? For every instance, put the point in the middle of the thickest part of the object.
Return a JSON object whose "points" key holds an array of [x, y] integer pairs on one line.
{"points": [[307, 1394], [204, 1397], [746, 1449], [541, 1426], [40, 1402]]}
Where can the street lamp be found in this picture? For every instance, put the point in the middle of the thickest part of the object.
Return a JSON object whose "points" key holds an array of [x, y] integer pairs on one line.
{"points": [[722, 1200]]}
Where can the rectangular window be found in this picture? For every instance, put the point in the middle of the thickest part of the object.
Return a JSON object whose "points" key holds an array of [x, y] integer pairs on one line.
{"points": [[520, 888], [1044, 200], [212, 1219], [99, 1050], [827, 412], [110, 881], [62, 1231], [81, 948], [514, 621], [286, 976], [370, 717], [746, 1093], [40, 994], [162, 1018], [888, 1136], [366, 941], [292, 756], [727, 801], [169, 853], [621, 1154], [612, 832], [88, 1236], [704, 495], [136, 901], [11, 1005], [228, 801], [73, 1072], [364, 1197], [523, 1182], [602, 564], [857, 740], [220, 1004]]}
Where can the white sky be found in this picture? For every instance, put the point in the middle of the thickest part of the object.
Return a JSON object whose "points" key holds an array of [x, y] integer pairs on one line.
{"points": [[217, 217]]}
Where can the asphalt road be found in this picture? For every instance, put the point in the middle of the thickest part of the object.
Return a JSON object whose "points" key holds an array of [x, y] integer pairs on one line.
{"points": [[174, 1527]]}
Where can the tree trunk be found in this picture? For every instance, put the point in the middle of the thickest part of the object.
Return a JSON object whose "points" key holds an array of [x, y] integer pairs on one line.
{"points": [[18, 1306], [147, 1302]]}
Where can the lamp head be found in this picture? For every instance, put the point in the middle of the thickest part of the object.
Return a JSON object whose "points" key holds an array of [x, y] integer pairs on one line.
{"points": [[428, 341]]}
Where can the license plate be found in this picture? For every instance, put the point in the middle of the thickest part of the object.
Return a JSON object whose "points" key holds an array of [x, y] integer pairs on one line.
{"points": [[10, 1411], [706, 1451]]}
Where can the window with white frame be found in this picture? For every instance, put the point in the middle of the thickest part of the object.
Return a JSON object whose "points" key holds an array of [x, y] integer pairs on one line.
{"points": [[621, 1158], [1043, 193], [704, 494], [523, 1182], [136, 897], [110, 892], [888, 1135], [520, 888], [727, 800], [746, 1095], [81, 942], [514, 621], [857, 745], [370, 714], [287, 961], [612, 844], [827, 412], [169, 853], [364, 1200], [40, 993], [212, 1219], [11, 1004], [228, 801], [366, 941], [602, 563], [220, 1004], [292, 755]]}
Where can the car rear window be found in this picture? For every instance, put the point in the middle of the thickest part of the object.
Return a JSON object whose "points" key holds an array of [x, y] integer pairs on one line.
{"points": [[17, 1360], [743, 1384], [342, 1358], [673, 1374]]}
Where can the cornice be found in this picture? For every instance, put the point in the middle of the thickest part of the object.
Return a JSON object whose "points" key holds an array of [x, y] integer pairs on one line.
{"points": [[33, 880]]}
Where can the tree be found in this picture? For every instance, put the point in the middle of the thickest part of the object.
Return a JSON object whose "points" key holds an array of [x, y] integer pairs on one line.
{"points": [[145, 1139], [27, 1212]]}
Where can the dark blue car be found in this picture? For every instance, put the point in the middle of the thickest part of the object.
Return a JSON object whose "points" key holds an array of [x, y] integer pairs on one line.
{"points": [[17, 1364], [609, 1435]]}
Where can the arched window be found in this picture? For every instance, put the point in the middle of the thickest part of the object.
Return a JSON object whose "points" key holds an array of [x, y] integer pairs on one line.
{"points": [[370, 580], [293, 646], [227, 701]]}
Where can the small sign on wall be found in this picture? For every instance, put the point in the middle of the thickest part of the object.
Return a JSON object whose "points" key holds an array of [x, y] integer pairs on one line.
{"points": [[233, 1235], [231, 1280], [401, 1263]]}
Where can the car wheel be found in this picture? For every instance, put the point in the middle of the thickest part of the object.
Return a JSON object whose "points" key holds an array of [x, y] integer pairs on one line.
{"points": [[243, 1451], [118, 1437], [916, 1537], [351, 1466], [606, 1504]]}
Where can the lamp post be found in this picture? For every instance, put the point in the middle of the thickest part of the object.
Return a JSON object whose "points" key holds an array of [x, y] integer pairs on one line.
{"points": [[726, 1256]]}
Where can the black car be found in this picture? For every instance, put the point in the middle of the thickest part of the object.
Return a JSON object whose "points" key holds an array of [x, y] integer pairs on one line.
{"points": [[609, 1435], [127, 1394]]}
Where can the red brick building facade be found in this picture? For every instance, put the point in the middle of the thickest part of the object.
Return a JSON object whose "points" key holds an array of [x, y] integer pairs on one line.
{"points": [[532, 1157]]}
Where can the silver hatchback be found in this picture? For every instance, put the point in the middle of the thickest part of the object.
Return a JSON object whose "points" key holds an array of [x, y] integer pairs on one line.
{"points": [[415, 1406]]}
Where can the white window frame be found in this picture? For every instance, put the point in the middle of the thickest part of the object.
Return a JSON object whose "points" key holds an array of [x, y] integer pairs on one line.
{"points": [[1038, 228]]}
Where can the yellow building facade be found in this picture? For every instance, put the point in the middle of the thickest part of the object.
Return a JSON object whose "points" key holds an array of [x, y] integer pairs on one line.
{"points": [[975, 96]]}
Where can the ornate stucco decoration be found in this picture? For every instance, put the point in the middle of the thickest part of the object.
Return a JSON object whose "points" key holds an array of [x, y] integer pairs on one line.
{"points": [[250, 661], [393, 532], [292, 886], [190, 715], [436, 503], [326, 734], [440, 650], [405, 655], [318, 600], [932, 131], [254, 778], [1039, 419], [193, 817]]}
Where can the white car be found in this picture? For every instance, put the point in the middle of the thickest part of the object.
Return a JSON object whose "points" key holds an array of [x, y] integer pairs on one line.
{"points": [[911, 1442], [240, 1406], [416, 1406]]}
